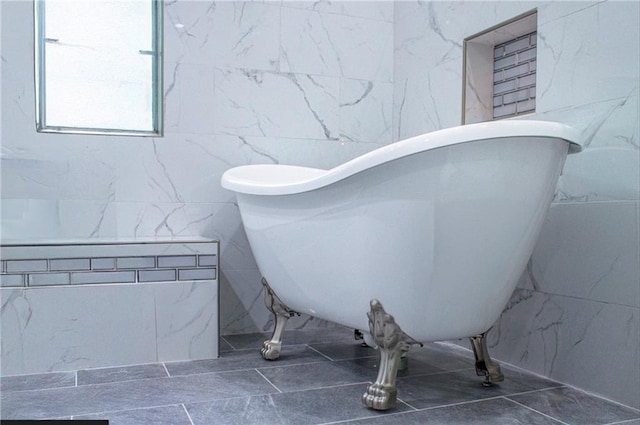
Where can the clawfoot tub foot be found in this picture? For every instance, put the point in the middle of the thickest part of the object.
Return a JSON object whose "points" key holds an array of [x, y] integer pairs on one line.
{"points": [[393, 344], [272, 347], [484, 365]]}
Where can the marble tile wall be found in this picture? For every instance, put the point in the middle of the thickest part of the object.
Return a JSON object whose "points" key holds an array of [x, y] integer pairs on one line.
{"points": [[307, 83], [109, 304], [576, 314]]}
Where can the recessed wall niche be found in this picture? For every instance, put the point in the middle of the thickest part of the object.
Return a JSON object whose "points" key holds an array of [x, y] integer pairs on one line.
{"points": [[500, 70]]}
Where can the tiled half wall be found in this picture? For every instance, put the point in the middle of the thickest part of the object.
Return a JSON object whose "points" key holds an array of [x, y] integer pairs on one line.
{"points": [[68, 305]]}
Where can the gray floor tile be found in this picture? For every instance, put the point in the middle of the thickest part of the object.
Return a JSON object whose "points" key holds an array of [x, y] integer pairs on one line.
{"points": [[463, 385], [440, 381], [317, 375], [224, 346], [575, 407], [90, 399], [489, 412], [245, 359], [247, 341], [291, 337], [165, 415], [319, 335], [339, 350], [422, 361], [442, 357], [301, 407], [38, 381], [116, 374]]}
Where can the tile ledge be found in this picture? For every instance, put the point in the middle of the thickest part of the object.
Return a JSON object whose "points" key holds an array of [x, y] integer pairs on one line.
{"points": [[106, 241]]}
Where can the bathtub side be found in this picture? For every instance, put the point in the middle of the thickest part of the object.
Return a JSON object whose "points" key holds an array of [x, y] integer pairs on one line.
{"points": [[439, 237]]}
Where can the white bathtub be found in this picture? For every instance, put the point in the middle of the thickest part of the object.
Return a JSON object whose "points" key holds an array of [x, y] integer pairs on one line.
{"points": [[436, 228]]}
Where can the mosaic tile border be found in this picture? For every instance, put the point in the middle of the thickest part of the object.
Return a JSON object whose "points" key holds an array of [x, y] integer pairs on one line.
{"points": [[514, 78], [104, 263]]}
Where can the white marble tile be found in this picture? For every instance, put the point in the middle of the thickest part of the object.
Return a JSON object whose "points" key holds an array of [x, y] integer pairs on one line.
{"points": [[29, 218], [429, 34], [254, 103], [585, 57], [170, 219], [242, 308], [366, 111], [177, 168], [87, 219], [18, 109], [592, 345], [609, 166], [183, 167], [235, 253], [601, 174], [187, 32], [187, 322], [295, 151], [246, 35], [381, 10], [223, 33], [67, 167], [107, 325], [66, 328], [427, 103], [335, 45], [322, 153], [555, 10], [188, 92], [590, 250]]}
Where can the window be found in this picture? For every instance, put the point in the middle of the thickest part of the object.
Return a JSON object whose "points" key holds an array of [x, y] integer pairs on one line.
{"points": [[99, 66]]}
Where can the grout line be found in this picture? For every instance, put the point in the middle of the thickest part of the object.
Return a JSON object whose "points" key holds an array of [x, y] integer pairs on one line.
{"points": [[166, 370], [76, 378], [334, 386], [322, 354], [227, 341], [460, 403], [537, 411], [187, 412], [324, 388], [267, 379], [626, 421], [291, 365], [535, 391], [420, 375], [407, 404], [390, 414], [601, 398], [104, 412]]}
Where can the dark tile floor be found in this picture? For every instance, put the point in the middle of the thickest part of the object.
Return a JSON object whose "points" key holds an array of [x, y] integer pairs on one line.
{"points": [[318, 379]]}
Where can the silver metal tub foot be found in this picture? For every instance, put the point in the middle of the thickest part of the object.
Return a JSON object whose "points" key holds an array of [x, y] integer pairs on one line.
{"points": [[393, 344], [484, 365], [272, 347]]}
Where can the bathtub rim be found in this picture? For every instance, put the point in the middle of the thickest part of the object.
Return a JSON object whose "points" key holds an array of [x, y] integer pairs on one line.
{"points": [[280, 179]]}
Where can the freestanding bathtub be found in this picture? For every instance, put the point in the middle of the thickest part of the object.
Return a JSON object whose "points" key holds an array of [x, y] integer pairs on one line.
{"points": [[421, 240]]}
